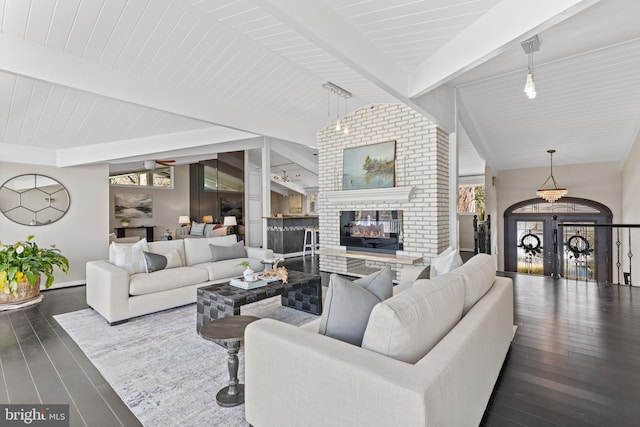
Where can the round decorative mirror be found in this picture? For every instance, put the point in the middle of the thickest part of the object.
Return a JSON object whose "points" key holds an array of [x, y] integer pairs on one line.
{"points": [[33, 199]]}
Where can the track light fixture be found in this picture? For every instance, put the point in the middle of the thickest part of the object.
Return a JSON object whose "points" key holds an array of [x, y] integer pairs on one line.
{"points": [[340, 93]]}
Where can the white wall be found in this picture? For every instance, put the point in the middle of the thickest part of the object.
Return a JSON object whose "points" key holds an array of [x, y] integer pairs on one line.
{"points": [[81, 234], [600, 182], [631, 205], [168, 205]]}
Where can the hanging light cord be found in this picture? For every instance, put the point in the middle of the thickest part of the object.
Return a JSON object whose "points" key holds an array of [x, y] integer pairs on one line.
{"points": [[328, 107], [337, 112], [551, 177]]}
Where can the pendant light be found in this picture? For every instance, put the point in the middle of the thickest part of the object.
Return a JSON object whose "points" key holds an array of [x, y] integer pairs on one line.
{"points": [[530, 45], [555, 193]]}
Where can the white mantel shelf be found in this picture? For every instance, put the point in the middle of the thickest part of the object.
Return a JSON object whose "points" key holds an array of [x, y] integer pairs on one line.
{"points": [[370, 256], [393, 194]]}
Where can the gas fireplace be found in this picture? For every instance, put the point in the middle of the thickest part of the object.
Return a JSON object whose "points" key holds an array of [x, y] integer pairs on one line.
{"points": [[371, 231]]}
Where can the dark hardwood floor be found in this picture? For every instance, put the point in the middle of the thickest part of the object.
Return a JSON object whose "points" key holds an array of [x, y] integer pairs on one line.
{"points": [[574, 360]]}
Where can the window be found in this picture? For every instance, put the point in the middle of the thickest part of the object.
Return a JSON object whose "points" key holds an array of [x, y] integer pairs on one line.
{"points": [[311, 199], [557, 207], [471, 198], [157, 178]]}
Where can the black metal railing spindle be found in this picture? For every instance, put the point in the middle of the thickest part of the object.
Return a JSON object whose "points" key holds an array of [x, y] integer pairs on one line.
{"points": [[578, 248]]}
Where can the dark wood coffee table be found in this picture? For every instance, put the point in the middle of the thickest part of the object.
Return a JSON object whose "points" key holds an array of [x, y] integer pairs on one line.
{"points": [[303, 292]]}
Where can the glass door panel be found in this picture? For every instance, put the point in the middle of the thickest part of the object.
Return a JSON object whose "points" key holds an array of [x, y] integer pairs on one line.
{"points": [[578, 252], [530, 247]]}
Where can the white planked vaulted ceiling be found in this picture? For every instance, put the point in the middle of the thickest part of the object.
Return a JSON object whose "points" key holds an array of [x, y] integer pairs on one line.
{"points": [[89, 81]]}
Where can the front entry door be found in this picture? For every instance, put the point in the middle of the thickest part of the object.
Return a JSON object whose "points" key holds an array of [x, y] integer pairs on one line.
{"points": [[531, 248], [529, 245], [530, 236]]}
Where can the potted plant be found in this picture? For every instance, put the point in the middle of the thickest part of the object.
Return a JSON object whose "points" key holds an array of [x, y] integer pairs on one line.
{"points": [[248, 273], [125, 222], [21, 265]]}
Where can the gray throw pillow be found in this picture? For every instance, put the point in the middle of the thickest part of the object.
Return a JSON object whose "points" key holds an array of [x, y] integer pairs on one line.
{"points": [[379, 283], [197, 228], [154, 262], [208, 228], [425, 273], [219, 253], [348, 305]]}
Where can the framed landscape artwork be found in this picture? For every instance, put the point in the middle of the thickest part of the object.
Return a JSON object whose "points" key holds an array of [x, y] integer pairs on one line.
{"points": [[369, 166], [133, 205]]}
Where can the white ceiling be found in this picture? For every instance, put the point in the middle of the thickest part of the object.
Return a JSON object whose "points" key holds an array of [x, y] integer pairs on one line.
{"points": [[89, 81]]}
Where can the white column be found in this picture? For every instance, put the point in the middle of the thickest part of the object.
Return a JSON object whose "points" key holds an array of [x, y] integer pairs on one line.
{"points": [[253, 202], [453, 190], [266, 187]]}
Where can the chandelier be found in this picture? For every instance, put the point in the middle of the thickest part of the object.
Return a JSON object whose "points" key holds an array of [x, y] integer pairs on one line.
{"points": [[554, 193], [285, 177]]}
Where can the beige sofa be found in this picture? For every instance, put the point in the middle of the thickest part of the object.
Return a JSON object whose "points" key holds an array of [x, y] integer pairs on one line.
{"points": [[118, 295], [295, 376]]}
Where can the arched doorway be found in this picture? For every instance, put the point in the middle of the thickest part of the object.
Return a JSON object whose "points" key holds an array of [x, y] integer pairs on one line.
{"points": [[529, 234]]}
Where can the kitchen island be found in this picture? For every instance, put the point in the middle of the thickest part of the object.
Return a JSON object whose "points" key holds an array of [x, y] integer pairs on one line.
{"points": [[285, 235]]}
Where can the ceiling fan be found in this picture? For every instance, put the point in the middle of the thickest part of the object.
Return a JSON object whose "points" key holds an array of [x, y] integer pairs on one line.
{"points": [[152, 164]]}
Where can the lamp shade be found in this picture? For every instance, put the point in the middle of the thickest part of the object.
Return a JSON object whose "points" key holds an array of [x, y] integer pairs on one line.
{"points": [[230, 220], [184, 219], [207, 219]]}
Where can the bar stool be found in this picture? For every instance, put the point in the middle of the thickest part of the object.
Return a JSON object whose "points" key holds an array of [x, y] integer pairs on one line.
{"points": [[310, 240]]}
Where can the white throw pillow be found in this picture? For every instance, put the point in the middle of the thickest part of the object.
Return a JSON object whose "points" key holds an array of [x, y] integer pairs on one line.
{"points": [[174, 259], [447, 261], [129, 256]]}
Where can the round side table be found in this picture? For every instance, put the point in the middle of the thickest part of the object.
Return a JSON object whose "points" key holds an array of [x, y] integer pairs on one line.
{"points": [[229, 333]]}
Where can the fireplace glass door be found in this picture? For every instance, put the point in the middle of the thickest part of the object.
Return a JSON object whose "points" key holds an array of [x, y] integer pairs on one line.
{"points": [[371, 231]]}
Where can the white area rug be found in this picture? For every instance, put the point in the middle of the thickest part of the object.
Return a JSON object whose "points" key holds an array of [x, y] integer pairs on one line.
{"points": [[161, 368]]}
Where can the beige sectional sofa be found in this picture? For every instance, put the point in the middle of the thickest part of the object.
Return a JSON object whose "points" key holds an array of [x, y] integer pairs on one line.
{"points": [[416, 366], [118, 295]]}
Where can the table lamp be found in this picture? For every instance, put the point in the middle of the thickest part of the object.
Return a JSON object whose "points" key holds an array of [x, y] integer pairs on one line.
{"points": [[184, 220], [207, 219]]}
